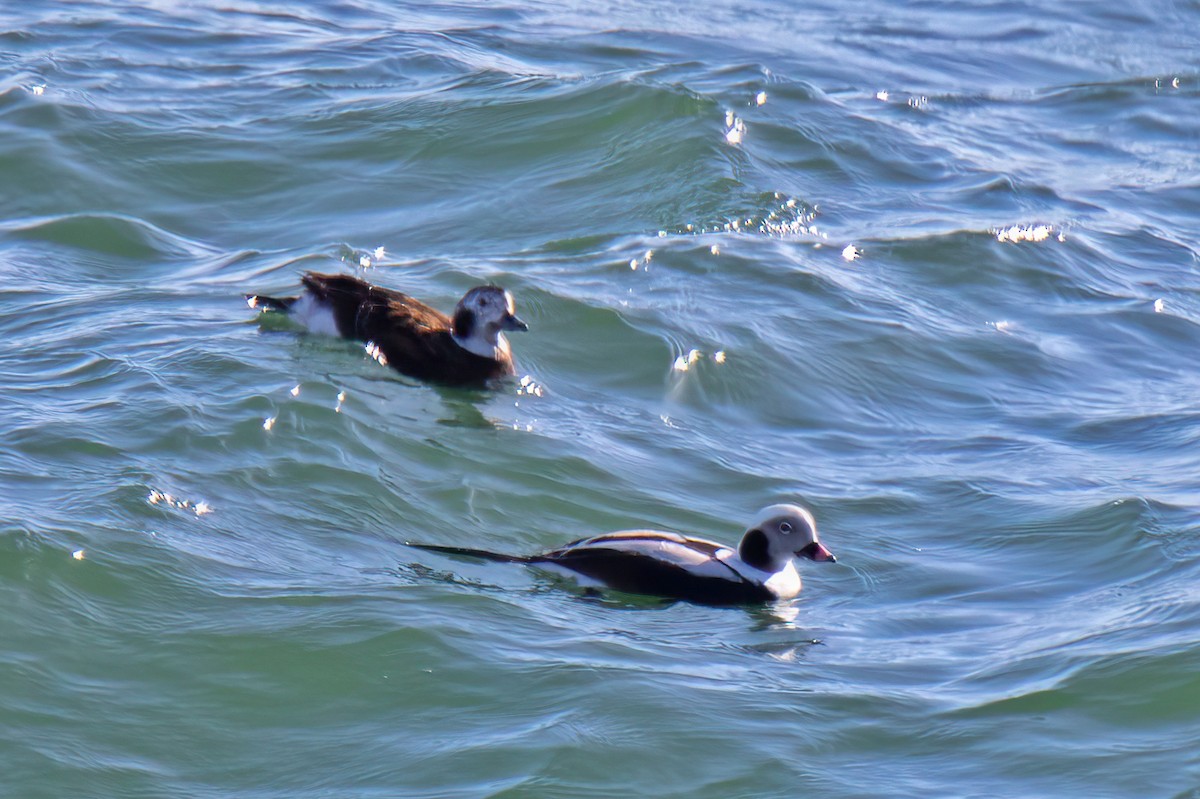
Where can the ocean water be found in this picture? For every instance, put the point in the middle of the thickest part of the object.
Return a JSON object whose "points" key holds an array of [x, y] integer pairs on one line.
{"points": [[930, 269]]}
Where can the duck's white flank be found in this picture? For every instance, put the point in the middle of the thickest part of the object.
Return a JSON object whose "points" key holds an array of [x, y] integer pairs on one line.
{"points": [[317, 316]]}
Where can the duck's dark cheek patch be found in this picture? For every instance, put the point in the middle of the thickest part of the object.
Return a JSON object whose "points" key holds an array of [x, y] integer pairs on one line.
{"points": [[464, 323], [753, 550]]}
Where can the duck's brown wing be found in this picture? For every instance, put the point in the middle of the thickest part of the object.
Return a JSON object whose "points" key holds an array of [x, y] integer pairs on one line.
{"points": [[362, 310]]}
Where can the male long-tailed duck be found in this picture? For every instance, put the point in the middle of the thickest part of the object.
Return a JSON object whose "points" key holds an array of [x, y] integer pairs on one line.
{"points": [[404, 332], [670, 565]]}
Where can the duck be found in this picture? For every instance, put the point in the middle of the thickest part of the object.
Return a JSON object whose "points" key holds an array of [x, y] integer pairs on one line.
{"points": [[400, 331], [760, 569]]}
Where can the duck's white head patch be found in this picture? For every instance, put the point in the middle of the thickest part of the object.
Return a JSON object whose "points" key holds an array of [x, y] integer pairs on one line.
{"points": [[480, 317], [780, 533]]}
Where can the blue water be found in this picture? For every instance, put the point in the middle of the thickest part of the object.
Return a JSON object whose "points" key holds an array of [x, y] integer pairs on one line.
{"points": [[929, 270]]}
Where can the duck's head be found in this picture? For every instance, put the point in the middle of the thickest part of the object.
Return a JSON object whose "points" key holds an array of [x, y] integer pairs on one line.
{"points": [[780, 533], [481, 315]]}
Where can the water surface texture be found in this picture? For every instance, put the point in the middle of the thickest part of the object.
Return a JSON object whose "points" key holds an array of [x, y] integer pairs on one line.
{"points": [[927, 268]]}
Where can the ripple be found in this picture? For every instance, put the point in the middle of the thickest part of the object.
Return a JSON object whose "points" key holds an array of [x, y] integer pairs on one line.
{"points": [[110, 234]]}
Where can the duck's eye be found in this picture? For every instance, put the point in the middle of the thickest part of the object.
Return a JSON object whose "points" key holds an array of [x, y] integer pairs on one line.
{"points": [[785, 527]]}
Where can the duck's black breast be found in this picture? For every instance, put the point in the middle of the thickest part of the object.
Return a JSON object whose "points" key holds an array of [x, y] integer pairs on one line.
{"points": [[413, 338], [663, 565]]}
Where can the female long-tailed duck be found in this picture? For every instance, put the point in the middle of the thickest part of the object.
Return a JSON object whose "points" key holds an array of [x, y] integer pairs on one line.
{"points": [[670, 565], [404, 332]]}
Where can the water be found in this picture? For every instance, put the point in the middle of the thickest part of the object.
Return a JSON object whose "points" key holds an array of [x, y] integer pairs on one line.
{"points": [[203, 585]]}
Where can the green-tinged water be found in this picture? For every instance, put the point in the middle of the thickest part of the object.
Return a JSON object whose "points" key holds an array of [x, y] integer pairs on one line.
{"points": [[930, 270]]}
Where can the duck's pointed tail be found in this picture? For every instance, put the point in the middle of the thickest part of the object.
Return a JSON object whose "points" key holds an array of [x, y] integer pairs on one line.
{"points": [[467, 552], [265, 303]]}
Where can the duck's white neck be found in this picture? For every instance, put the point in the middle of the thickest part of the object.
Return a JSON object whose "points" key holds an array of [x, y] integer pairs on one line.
{"points": [[495, 348], [784, 584]]}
